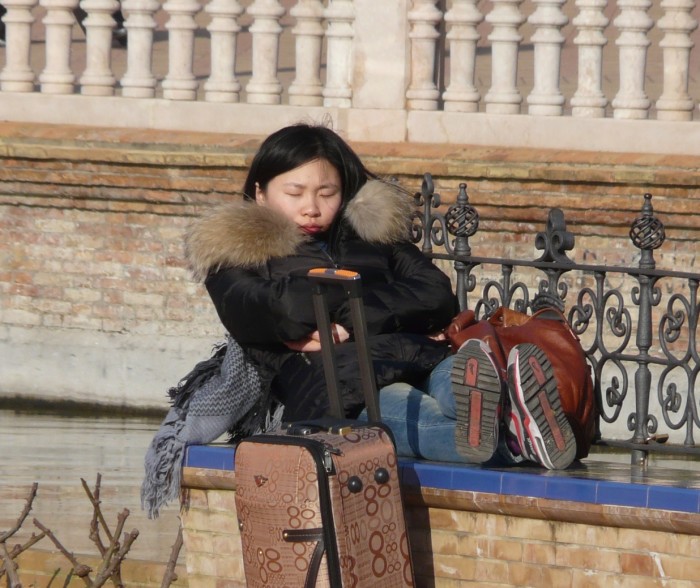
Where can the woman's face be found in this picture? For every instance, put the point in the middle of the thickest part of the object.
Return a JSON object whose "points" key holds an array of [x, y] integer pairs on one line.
{"points": [[309, 195]]}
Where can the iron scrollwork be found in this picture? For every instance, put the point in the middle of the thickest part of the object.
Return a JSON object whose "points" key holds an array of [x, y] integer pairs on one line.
{"points": [[677, 337], [554, 242], [614, 321], [461, 220]]}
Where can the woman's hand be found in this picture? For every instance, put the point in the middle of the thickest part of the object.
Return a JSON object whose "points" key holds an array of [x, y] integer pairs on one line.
{"points": [[313, 341], [305, 344], [340, 334]]}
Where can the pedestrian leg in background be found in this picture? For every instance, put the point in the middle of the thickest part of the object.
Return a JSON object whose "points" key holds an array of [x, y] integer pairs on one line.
{"points": [[3, 12], [119, 36]]}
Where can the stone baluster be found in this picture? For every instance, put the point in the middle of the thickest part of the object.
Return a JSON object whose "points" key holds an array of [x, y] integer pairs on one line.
{"points": [[380, 57], [633, 22], [57, 77], [17, 75], [503, 97], [180, 83], [139, 81], [306, 87], [264, 87], [677, 23], [548, 19], [589, 100], [222, 85], [423, 93], [463, 18], [98, 79], [340, 16]]}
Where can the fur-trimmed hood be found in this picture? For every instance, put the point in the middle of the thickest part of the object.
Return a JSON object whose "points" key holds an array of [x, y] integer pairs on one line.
{"points": [[244, 234]]}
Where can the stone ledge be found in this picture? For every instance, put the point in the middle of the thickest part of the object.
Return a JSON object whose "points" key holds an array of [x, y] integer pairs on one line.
{"points": [[473, 537], [596, 493], [566, 511], [178, 148]]}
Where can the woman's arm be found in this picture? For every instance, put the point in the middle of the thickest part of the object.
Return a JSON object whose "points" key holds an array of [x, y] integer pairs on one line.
{"points": [[416, 296], [260, 310]]}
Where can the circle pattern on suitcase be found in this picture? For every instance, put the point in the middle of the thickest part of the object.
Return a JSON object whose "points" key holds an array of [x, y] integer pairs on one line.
{"points": [[371, 544]]}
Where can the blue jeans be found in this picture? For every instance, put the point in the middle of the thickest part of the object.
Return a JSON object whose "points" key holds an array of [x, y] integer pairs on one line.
{"points": [[423, 418]]}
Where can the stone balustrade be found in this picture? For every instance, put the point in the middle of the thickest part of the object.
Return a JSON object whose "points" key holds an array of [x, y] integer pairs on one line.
{"points": [[575, 74]]}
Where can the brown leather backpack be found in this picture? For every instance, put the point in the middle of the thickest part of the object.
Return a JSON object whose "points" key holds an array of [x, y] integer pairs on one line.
{"points": [[548, 330]]}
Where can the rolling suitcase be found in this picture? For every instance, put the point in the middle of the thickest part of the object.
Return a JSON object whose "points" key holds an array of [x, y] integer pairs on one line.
{"points": [[318, 502]]}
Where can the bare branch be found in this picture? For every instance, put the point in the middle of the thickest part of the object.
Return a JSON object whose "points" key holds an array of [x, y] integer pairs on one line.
{"points": [[82, 571], [112, 555], [94, 498], [101, 576], [170, 576], [25, 512], [69, 577], [94, 525], [127, 542], [18, 549], [129, 539], [10, 567], [53, 577], [98, 517]]}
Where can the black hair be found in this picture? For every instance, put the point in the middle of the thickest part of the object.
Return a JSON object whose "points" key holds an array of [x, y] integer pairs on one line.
{"points": [[296, 145]]}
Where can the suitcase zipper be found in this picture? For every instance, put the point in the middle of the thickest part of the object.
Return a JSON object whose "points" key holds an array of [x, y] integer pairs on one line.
{"points": [[321, 451], [328, 452]]}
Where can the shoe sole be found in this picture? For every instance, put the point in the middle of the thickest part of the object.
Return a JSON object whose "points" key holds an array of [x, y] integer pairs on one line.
{"points": [[534, 396], [477, 389]]}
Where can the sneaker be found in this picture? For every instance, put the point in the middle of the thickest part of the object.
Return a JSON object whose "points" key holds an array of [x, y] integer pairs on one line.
{"points": [[478, 390], [535, 416]]}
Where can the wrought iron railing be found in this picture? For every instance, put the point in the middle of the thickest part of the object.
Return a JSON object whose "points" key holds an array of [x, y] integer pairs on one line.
{"points": [[638, 325]]}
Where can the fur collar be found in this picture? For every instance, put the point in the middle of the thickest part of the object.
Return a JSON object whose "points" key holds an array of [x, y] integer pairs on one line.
{"points": [[243, 234]]}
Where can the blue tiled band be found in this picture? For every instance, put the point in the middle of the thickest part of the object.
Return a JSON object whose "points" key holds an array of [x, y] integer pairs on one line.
{"points": [[597, 483]]}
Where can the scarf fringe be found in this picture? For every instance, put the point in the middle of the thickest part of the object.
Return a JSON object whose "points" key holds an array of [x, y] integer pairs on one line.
{"points": [[220, 394], [164, 457]]}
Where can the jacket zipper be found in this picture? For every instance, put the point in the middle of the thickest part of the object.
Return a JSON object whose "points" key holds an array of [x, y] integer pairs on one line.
{"points": [[329, 256]]}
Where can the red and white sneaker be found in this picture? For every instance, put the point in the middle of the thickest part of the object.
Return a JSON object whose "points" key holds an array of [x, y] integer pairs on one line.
{"points": [[478, 390], [535, 416]]}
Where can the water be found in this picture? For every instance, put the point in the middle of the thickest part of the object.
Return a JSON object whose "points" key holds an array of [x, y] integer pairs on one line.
{"points": [[57, 451]]}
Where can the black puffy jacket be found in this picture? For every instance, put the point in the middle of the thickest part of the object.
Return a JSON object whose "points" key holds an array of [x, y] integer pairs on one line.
{"points": [[254, 263]]}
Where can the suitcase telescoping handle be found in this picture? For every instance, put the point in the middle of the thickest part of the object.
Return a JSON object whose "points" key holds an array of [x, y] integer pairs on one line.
{"points": [[350, 281]]}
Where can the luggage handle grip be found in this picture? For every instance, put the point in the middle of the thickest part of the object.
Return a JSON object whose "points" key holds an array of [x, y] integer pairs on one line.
{"points": [[352, 284], [348, 279]]}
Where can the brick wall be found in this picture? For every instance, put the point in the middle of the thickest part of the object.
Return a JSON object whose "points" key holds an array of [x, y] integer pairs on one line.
{"points": [[92, 275], [455, 548], [468, 548]]}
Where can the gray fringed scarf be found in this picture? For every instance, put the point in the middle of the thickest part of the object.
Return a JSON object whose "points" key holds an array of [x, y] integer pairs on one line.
{"points": [[222, 393]]}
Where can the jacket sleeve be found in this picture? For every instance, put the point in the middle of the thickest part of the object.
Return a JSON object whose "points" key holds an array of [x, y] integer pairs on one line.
{"points": [[257, 310], [416, 298]]}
